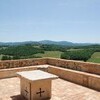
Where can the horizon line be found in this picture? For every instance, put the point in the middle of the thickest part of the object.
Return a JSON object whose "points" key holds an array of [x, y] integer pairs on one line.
{"points": [[46, 40]]}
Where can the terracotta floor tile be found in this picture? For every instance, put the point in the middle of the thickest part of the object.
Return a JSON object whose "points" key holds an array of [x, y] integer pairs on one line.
{"points": [[61, 90]]}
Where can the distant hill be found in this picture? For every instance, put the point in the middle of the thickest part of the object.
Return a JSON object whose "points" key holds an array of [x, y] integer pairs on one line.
{"points": [[17, 43], [57, 42], [64, 43], [49, 42]]}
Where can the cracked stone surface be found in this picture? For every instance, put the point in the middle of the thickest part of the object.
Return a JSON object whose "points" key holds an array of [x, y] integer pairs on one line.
{"points": [[61, 90]]}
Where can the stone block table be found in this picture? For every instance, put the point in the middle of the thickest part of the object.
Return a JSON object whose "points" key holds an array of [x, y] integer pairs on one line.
{"points": [[36, 85]]}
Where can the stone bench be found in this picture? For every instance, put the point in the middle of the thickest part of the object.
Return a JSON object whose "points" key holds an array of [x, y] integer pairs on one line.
{"points": [[82, 78]]}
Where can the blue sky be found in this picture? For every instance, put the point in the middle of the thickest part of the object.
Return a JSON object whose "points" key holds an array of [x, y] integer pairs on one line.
{"points": [[33, 20]]}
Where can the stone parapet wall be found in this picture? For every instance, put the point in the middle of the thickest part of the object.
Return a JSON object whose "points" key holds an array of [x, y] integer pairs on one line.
{"points": [[22, 63], [75, 65], [88, 80], [69, 64]]}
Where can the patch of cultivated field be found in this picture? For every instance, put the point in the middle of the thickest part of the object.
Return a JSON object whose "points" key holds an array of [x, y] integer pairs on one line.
{"points": [[74, 49], [55, 54], [95, 57], [1, 57]]}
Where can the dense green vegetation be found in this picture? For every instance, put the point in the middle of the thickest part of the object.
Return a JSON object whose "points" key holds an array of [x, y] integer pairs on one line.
{"points": [[53, 48], [18, 52], [84, 53], [77, 55]]}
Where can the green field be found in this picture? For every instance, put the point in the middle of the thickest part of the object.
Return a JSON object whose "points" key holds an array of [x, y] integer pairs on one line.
{"points": [[1, 57], [95, 58], [74, 49], [55, 54]]}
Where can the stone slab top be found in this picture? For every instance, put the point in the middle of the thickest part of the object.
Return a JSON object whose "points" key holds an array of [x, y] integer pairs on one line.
{"points": [[36, 75]]}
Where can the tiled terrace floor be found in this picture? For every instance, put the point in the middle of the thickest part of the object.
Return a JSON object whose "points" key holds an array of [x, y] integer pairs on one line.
{"points": [[61, 90]]}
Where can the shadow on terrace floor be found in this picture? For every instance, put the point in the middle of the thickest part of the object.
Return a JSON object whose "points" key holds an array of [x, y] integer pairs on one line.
{"points": [[17, 97]]}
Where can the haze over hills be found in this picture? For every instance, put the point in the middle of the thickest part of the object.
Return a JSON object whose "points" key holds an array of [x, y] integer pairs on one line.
{"points": [[49, 42]]}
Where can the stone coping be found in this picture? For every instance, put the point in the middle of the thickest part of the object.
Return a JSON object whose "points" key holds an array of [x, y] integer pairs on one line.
{"points": [[72, 60]]}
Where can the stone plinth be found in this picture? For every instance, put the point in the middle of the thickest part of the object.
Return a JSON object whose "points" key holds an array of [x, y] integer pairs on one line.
{"points": [[36, 85]]}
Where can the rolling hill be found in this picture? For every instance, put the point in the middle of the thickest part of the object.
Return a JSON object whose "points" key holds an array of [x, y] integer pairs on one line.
{"points": [[49, 42]]}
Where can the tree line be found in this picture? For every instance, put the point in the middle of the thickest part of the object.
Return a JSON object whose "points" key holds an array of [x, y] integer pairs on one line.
{"points": [[77, 55], [17, 52]]}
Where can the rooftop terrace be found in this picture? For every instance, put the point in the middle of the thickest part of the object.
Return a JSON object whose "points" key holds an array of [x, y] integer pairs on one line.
{"points": [[77, 80]]}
